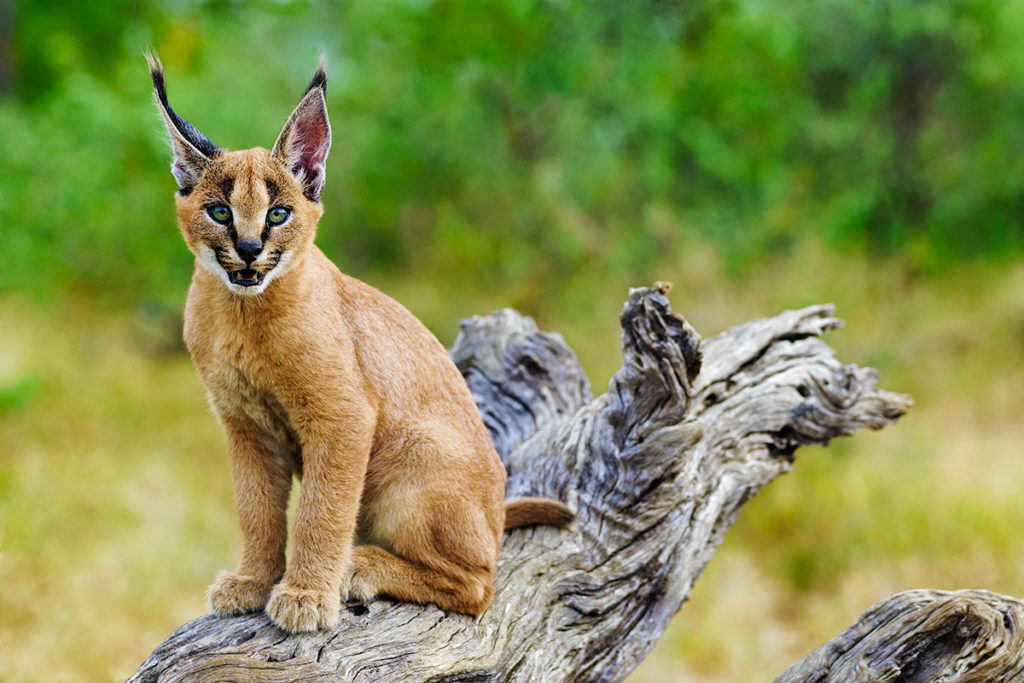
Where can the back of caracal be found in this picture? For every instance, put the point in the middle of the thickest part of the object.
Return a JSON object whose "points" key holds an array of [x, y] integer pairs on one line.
{"points": [[315, 374]]}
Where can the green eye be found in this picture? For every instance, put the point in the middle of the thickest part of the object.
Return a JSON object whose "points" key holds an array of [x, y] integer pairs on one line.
{"points": [[277, 215], [220, 213]]}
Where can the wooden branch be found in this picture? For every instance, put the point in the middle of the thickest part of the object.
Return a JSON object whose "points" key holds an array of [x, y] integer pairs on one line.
{"points": [[924, 635], [657, 469]]}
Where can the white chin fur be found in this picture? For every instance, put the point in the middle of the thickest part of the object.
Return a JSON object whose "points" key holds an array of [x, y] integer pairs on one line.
{"points": [[208, 259]]}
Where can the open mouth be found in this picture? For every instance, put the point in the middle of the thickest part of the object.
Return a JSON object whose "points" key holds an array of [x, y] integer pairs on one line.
{"points": [[246, 277]]}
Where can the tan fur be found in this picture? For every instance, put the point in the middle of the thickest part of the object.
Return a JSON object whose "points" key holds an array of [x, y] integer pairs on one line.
{"points": [[324, 377], [526, 511]]}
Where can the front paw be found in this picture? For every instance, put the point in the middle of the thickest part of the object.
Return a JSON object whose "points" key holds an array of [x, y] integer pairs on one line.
{"points": [[299, 610], [233, 594]]}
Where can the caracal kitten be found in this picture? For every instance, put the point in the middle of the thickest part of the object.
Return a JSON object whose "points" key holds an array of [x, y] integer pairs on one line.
{"points": [[315, 374]]}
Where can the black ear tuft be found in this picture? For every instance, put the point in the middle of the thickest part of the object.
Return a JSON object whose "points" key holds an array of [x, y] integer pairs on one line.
{"points": [[186, 129], [319, 79], [193, 151]]}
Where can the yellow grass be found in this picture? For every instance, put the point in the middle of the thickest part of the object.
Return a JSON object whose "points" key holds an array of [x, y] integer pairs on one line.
{"points": [[115, 500]]}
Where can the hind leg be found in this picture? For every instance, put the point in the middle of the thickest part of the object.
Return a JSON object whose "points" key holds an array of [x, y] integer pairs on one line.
{"points": [[375, 571], [432, 522]]}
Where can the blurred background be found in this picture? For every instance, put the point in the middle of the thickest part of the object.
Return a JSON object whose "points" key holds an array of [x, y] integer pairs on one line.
{"points": [[546, 155]]}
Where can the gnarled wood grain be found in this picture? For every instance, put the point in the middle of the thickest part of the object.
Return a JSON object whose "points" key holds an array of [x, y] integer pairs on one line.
{"points": [[919, 636], [656, 468]]}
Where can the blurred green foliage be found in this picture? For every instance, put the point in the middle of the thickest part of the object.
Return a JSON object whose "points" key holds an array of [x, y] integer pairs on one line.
{"points": [[521, 152], [518, 141]]}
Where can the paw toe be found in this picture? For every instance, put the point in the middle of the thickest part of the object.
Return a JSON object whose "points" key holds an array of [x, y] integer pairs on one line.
{"points": [[361, 589], [298, 610], [233, 594]]}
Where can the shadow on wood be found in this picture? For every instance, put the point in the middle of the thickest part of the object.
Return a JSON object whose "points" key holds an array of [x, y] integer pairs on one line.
{"points": [[657, 469]]}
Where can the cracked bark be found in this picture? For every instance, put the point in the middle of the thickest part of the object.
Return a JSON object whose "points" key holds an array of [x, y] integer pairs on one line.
{"points": [[657, 469], [969, 636]]}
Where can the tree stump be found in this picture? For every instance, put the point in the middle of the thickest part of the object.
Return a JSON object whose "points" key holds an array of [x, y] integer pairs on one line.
{"points": [[657, 469]]}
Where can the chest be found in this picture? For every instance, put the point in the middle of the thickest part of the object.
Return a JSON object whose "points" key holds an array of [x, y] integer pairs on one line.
{"points": [[245, 381]]}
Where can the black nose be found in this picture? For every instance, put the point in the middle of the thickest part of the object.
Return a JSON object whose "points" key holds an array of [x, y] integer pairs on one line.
{"points": [[248, 250]]}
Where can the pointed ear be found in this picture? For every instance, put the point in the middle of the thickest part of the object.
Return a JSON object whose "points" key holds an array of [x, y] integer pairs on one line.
{"points": [[193, 151], [305, 140]]}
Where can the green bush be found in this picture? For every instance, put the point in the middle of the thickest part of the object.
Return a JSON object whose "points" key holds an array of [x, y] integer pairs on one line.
{"points": [[503, 142]]}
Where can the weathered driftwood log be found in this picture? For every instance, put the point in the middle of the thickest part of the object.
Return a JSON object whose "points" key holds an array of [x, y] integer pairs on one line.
{"points": [[656, 468], [921, 636]]}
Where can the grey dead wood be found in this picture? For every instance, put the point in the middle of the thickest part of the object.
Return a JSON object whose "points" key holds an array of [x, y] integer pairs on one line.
{"points": [[920, 636], [656, 468]]}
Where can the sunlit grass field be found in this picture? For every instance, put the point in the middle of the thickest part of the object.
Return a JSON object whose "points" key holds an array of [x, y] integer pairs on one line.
{"points": [[115, 498]]}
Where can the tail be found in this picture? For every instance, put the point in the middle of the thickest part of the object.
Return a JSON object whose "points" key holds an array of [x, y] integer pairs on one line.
{"points": [[527, 511]]}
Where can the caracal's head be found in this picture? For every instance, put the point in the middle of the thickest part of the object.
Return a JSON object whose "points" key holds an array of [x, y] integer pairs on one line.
{"points": [[247, 215]]}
